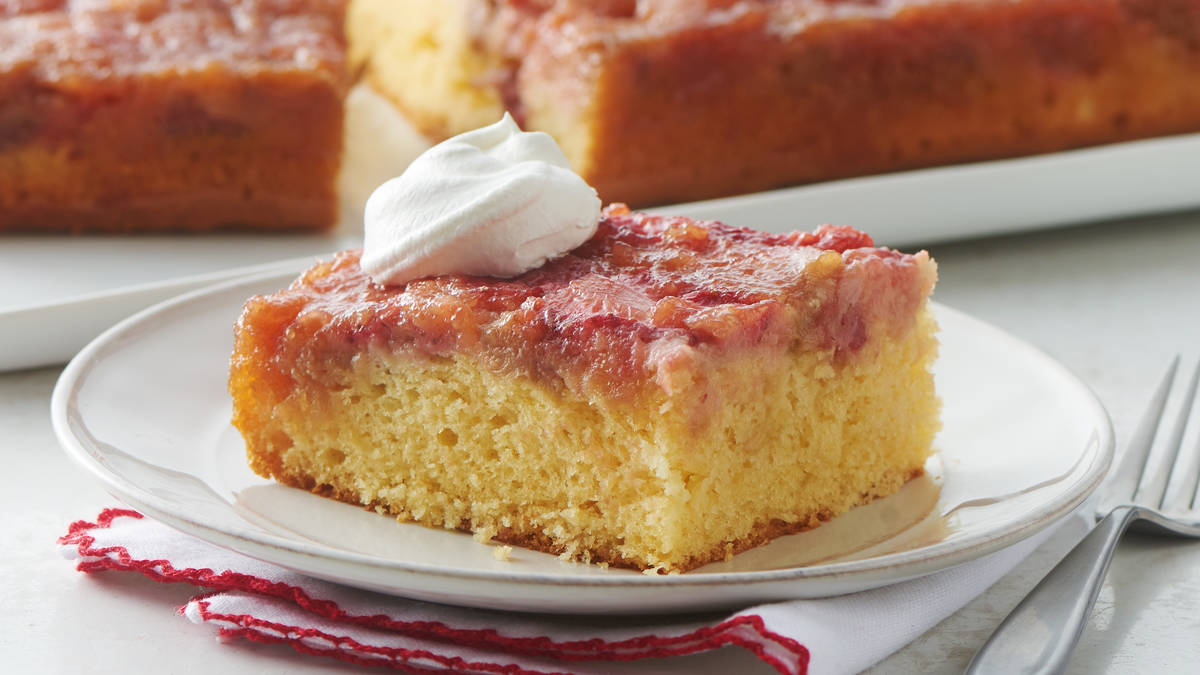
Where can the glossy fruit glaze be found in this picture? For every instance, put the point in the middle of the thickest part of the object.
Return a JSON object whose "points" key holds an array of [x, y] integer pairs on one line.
{"points": [[78, 43], [648, 301]]}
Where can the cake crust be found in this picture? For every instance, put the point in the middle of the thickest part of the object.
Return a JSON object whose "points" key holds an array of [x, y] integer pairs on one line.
{"points": [[762, 532]]}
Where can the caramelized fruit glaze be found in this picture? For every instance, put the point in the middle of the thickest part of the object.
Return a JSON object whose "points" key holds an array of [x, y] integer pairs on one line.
{"points": [[61, 62], [646, 299], [77, 40]]}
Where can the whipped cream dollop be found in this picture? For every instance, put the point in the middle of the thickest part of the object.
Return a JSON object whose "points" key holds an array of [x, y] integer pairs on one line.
{"points": [[496, 201]]}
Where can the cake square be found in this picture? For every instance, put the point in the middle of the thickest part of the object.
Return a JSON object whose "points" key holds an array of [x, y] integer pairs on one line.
{"points": [[170, 115], [668, 101], [667, 394]]}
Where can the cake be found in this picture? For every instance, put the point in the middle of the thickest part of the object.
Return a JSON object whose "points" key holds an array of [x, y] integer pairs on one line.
{"points": [[665, 395], [170, 115], [663, 101]]}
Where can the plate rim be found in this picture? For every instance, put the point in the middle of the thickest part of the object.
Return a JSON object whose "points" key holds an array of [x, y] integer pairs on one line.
{"points": [[191, 282], [919, 560]]}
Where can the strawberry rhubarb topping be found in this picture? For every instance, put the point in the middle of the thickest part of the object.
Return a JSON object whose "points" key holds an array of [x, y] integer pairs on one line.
{"points": [[645, 301]]}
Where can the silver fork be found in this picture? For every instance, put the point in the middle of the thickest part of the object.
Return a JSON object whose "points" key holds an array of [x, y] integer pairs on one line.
{"points": [[1038, 636]]}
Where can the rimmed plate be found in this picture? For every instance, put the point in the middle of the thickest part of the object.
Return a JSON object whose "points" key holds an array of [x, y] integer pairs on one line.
{"points": [[144, 408]]}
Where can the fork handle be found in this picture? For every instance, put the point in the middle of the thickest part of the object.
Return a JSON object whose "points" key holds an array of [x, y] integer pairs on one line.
{"points": [[1038, 636]]}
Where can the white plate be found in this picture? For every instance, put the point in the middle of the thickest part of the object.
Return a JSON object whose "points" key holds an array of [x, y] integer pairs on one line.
{"points": [[145, 409], [986, 198]]}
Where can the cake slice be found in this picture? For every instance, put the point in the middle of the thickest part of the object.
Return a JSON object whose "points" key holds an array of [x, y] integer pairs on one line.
{"points": [[664, 101], [666, 395], [170, 115]]}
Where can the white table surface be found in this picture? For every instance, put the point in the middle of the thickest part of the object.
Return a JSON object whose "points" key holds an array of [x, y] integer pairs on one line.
{"points": [[1112, 301]]}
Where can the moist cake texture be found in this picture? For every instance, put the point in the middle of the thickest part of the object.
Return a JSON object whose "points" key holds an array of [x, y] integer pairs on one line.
{"points": [[664, 101], [667, 394], [170, 115]]}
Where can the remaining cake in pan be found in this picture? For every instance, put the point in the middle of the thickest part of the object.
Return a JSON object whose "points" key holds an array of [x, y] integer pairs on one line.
{"points": [[665, 395], [170, 115], [659, 101]]}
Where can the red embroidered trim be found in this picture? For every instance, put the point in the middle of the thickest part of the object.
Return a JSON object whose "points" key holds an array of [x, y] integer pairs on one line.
{"points": [[349, 649], [647, 646]]}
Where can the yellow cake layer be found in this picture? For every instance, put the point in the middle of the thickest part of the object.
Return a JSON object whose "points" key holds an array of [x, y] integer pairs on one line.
{"points": [[662, 482], [420, 56]]}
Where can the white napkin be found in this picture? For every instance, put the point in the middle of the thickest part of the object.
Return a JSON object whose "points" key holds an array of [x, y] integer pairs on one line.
{"points": [[259, 601]]}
